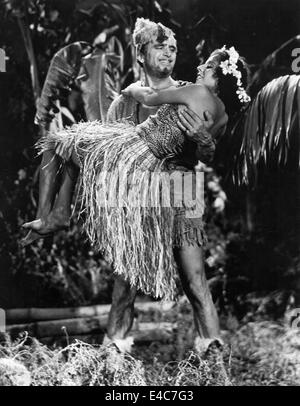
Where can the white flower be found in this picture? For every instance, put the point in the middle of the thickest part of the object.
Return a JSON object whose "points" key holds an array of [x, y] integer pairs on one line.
{"points": [[219, 204], [230, 67], [210, 261], [224, 67], [233, 54], [214, 186], [222, 195]]}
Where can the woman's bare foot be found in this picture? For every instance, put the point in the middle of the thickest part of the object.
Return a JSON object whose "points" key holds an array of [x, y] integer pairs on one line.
{"points": [[44, 227], [32, 236], [35, 225]]}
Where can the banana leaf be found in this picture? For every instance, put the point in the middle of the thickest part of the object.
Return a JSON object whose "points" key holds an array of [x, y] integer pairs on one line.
{"points": [[101, 79], [63, 71], [269, 130]]}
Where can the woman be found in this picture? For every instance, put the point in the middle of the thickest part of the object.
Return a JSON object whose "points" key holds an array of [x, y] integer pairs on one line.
{"points": [[137, 236]]}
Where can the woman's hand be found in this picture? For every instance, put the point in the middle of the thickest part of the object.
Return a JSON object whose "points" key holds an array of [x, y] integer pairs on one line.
{"points": [[133, 87], [138, 92]]}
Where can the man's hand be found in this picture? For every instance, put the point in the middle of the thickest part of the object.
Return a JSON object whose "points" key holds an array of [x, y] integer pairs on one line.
{"points": [[193, 125], [199, 131]]}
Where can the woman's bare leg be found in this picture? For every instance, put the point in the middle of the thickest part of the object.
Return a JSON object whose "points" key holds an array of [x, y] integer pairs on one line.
{"points": [[47, 188], [59, 216], [61, 211], [48, 221], [47, 183]]}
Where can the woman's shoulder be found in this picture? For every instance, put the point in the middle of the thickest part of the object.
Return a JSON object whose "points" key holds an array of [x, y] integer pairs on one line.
{"points": [[200, 91], [201, 99], [203, 95]]}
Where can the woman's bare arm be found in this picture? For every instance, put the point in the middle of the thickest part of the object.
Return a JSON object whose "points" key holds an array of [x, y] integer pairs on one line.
{"points": [[172, 95]]}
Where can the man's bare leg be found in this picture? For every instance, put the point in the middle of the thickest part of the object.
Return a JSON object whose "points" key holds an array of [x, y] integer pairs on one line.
{"points": [[121, 315], [195, 285], [208, 342], [192, 274]]}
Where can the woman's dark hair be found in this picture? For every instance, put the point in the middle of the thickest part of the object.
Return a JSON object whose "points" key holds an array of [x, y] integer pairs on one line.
{"points": [[227, 84]]}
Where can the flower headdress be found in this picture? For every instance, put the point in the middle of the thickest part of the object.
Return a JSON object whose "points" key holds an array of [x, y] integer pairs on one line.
{"points": [[229, 67]]}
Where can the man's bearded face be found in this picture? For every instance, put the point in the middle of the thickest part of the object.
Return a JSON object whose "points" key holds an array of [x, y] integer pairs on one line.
{"points": [[160, 57]]}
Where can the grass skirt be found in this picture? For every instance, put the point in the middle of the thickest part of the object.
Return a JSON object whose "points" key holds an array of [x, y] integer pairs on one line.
{"points": [[125, 216]]}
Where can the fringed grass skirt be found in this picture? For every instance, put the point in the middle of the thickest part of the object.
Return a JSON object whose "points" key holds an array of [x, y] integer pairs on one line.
{"points": [[125, 216]]}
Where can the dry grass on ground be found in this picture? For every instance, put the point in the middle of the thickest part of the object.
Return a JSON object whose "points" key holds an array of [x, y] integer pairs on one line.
{"points": [[257, 353]]}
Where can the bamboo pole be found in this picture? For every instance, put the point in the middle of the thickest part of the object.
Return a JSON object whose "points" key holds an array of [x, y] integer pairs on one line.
{"points": [[91, 325], [42, 314], [146, 332], [54, 328]]}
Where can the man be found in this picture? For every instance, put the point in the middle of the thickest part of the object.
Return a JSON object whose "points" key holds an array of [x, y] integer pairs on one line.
{"points": [[156, 52]]}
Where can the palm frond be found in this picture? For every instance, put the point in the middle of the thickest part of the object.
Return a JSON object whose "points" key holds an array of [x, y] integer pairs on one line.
{"points": [[276, 64], [269, 130], [63, 70]]}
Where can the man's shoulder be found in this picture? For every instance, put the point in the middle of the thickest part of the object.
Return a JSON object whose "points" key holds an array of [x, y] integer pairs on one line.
{"points": [[121, 107]]}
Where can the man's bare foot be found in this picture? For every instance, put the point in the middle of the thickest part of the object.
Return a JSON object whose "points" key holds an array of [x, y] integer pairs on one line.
{"points": [[123, 344]]}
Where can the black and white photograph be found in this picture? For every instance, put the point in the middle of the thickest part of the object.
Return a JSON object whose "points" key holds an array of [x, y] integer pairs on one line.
{"points": [[150, 195]]}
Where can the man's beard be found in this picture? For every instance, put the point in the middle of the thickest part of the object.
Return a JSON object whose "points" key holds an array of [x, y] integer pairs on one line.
{"points": [[158, 73]]}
